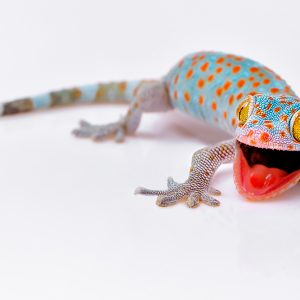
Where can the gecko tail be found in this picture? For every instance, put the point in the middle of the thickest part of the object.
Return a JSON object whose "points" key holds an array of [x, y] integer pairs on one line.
{"points": [[112, 92]]}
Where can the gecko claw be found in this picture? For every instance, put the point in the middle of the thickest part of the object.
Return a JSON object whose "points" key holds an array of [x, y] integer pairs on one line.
{"points": [[177, 192], [164, 201], [193, 200], [214, 191], [99, 132], [84, 124], [172, 183], [210, 200], [138, 190]]}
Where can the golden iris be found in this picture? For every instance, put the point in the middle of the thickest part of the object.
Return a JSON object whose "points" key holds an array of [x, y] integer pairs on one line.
{"points": [[243, 111], [296, 126]]}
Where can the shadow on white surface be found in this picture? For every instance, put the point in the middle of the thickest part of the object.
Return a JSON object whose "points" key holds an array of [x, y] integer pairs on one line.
{"points": [[176, 124]]}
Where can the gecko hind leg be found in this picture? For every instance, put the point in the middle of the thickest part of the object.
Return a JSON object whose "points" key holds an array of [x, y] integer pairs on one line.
{"points": [[197, 188], [150, 97], [98, 132]]}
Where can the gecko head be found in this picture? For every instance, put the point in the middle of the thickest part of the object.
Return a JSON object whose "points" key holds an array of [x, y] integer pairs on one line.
{"points": [[267, 159]]}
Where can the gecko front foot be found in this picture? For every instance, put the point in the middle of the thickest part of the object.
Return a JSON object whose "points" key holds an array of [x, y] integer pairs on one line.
{"points": [[184, 191], [99, 132], [197, 187]]}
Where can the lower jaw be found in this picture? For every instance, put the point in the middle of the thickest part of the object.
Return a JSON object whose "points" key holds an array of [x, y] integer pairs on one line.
{"points": [[243, 184]]}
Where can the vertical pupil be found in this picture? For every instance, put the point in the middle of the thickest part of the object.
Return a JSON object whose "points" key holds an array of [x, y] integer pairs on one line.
{"points": [[244, 113]]}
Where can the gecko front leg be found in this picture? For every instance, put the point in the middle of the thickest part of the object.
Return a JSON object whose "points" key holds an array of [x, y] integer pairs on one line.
{"points": [[197, 187]]}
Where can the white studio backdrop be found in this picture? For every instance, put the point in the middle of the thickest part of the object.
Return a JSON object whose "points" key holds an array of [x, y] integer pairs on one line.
{"points": [[70, 226]]}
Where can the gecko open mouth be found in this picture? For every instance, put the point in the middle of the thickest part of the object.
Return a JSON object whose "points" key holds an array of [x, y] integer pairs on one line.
{"points": [[263, 173]]}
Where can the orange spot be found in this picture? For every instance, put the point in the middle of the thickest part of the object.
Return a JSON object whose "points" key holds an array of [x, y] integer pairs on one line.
{"points": [[274, 90], [236, 69], [266, 81], [220, 60], [204, 67], [251, 78], [261, 74], [227, 85], [176, 79], [260, 113], [231, 99], [187, 96], [210, 77], [282, 133], [180, 63], [201, 83], [219, 70], [201, 100], [122, 86], [252, 93], [240, 83], [175, 94], [269, 106], [239, 96], [283, 118], [219, 91], [252, 142], [287, 89], [238, 58], [229, 64], [256, 84], [233, 121], [189, 73], [194, 63], [254, 122], [250, 133], [264, 137], [277, 109], [290, 147], [254, 69], [201, 57], [214, 106], [225, 114], [195, 57], [293, 111], [268, 124]]}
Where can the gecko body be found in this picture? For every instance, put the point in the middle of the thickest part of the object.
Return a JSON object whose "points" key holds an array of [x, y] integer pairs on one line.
{"points": [[239, 95]]}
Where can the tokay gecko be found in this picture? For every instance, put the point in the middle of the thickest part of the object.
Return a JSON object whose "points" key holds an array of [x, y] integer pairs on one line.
{"points": [[243, 97]]}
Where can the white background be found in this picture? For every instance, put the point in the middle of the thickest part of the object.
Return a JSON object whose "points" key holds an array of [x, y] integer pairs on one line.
{"points": [[70, 226]]}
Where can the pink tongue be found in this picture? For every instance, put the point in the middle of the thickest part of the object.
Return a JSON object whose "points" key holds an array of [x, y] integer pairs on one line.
{"points": [[262, 178]]}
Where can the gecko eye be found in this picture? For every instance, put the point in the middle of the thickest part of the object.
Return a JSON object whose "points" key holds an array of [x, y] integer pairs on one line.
{"points": [[295, 126], [244, 110]]}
